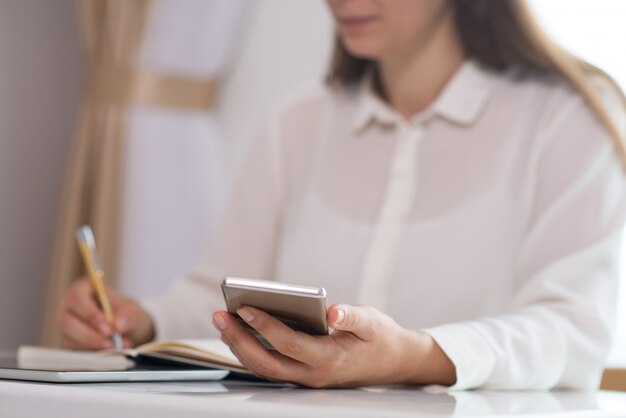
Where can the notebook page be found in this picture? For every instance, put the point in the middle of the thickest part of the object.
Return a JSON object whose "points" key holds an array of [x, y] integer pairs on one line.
{"points": [[208, 349]]}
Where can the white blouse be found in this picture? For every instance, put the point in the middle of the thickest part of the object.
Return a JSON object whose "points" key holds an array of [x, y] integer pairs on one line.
{"points": [[492, 221]]}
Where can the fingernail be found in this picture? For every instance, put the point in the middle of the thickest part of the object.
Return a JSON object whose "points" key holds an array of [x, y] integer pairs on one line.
{"points": [[219, 322], [341, 315], [246, 314], [104, 328]]}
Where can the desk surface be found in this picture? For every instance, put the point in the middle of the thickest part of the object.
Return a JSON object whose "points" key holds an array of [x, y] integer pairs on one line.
{"points": [[242, 399]]}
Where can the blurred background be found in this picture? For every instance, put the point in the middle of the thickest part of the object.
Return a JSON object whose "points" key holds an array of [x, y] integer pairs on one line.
{"points": [[173, 158]]}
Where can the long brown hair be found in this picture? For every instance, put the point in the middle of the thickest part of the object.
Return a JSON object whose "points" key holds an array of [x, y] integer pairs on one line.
{"points": [[501, 34]]}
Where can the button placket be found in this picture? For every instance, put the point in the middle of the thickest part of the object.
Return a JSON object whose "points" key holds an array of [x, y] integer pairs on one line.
{"points": [[393, 216]]}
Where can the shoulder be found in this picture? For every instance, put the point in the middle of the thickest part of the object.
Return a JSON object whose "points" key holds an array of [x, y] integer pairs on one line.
{"points": [[558, 111], [550, 95], [612, 99], [543, 94], [573, 146], [555, 134], [296, 125], [308, 104]]}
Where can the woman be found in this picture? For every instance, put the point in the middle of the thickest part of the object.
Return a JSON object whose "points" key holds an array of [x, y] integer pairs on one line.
{"points": [[459, 174]]}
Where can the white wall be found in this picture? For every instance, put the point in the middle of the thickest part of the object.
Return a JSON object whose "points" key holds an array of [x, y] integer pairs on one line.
{"points": [[39, 90], [592, 29]]}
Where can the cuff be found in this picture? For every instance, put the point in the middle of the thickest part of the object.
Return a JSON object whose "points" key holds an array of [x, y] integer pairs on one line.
{"points": [[471, 355]]}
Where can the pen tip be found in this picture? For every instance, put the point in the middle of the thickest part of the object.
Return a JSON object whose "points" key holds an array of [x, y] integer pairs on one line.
{"points": [[117, 341]]}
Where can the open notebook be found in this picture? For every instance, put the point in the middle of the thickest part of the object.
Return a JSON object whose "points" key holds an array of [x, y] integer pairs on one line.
{"points": [[204, 353]]}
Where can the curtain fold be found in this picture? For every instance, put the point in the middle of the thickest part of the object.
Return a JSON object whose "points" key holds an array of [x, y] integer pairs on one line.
{"points": [[111, 33]]}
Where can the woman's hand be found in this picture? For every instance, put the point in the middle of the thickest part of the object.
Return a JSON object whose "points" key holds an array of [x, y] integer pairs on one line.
{"points": [[366, 348], [83, 326]]}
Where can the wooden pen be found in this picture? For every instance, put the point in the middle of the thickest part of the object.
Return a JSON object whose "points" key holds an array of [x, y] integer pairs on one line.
{"points": [[87, 246]]}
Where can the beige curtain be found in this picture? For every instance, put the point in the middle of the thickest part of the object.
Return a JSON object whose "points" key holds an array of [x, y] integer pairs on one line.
{"points": [[111, 31]]}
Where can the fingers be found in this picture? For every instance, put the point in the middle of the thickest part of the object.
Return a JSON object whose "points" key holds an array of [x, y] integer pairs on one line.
{"points": [[358, 320], [80, 320], [253, 355], [126, 318], [83, 324], [293, 344], [133, 322], [79, 335], [80, 301]]}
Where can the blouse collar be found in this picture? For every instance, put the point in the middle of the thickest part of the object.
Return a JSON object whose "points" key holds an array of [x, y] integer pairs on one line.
{"points": [[461, 101]]}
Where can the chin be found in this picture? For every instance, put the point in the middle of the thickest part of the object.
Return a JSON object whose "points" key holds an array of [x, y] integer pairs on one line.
{"points": [[362, 48]]}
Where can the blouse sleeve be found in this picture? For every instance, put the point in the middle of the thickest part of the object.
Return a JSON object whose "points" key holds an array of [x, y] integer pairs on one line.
{"points": [[243, 245], [558, 329]]}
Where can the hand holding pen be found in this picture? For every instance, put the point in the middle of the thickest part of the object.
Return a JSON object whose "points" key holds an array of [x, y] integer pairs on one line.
{"points": [[93, 317]]}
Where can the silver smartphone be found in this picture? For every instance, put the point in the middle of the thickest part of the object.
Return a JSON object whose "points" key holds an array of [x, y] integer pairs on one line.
{"points": [[302, 308]]}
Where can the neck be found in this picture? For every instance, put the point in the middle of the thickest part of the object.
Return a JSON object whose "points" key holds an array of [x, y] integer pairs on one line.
{"points": [[412, 79]]}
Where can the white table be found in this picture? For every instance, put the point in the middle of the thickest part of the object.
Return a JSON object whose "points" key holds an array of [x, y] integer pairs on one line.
{"points": [[241, 399]]}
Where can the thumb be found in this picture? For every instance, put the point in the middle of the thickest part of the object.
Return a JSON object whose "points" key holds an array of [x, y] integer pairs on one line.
{"points": [[134, 323], [126, 317], [355, 319]]}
